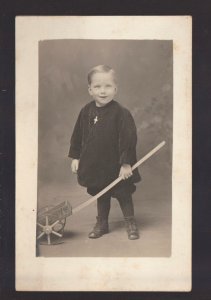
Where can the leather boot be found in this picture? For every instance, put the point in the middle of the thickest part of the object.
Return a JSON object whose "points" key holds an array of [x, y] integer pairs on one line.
{"points": [[100, 228], [131, 228]]}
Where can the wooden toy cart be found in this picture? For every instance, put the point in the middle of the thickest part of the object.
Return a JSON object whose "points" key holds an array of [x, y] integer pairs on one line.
{"points": [[52, 220]]}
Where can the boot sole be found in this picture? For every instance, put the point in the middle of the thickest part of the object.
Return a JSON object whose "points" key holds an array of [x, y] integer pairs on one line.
{"points": [[133, 238], [98, 236]]}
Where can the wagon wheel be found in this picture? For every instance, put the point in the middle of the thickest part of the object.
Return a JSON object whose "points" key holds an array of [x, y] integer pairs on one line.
{"points": [[46, 228]]}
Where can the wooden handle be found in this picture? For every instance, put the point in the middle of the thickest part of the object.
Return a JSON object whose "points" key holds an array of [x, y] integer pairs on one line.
{"points": [[112, 184]]}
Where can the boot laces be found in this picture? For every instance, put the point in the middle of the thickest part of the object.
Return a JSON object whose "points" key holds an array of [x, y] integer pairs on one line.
{"points": [[131, 225], [100, 225]]}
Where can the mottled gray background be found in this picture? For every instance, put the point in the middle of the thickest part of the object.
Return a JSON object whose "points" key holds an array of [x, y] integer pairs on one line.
{"points": [[145, 87]]}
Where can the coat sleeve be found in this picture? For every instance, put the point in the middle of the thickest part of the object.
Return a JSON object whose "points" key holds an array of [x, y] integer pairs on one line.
{"points": [[127, 139], [76, 138]]}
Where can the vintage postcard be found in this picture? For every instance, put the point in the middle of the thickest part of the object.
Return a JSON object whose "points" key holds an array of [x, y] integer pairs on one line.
{"points": [[103, 153]]}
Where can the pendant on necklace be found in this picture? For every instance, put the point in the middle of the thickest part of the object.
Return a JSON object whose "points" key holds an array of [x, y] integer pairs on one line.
{"points": [[95, 120]]}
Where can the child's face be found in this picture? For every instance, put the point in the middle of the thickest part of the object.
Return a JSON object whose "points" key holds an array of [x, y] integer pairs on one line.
{"points": [[102, 88]]}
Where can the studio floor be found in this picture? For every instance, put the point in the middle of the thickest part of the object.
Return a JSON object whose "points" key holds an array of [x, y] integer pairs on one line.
{"points": [[152, 202]]}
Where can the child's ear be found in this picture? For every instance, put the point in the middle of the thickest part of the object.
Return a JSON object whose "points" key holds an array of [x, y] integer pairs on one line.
{"points": [[89, 90]]}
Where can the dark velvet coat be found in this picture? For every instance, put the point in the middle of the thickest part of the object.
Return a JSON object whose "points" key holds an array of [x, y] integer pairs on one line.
{"points": [[103, 139]]}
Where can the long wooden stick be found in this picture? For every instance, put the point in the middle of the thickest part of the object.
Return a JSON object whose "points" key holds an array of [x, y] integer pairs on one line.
{"points": [[112, 184]]}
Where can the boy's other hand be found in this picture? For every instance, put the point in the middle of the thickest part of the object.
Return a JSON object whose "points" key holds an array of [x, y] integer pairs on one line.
{"points": [[74, 165], [125, 171]]}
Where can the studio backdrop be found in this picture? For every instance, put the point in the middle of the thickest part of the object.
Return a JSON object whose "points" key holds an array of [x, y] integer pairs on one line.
{"points": [[144, 70]]}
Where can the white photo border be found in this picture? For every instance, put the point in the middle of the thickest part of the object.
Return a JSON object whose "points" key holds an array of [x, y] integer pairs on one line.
{"points": [[102, 274]]}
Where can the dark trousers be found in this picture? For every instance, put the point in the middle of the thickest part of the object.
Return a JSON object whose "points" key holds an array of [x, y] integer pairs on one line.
{"points": [[125, 201]]}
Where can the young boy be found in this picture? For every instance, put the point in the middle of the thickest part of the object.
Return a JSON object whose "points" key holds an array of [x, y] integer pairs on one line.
{"points": [[103, 147]]}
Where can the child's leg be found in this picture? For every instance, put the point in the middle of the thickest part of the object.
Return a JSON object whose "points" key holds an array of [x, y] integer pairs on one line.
{"points": [[126, 204], [103, 209], [103, 206]]}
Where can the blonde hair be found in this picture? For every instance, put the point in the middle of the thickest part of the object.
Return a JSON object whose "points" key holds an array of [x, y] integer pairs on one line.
{"points": [[100, 69]]}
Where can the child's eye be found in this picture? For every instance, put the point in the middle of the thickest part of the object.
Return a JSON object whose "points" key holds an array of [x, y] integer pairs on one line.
{"points": [[108, 85]]}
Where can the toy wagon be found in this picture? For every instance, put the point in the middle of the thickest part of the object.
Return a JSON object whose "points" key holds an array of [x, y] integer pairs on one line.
{"points": [[52, 220]]}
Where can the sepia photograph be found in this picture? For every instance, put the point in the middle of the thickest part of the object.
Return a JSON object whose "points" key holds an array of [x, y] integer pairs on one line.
{"points": [[103, 122], [105, 104]]}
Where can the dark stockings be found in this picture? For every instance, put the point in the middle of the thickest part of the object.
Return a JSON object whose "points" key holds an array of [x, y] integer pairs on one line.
{"points": [[125, 202]]}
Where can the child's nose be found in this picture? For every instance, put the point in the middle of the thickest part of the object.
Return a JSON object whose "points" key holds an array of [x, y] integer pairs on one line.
{"points": [[102, 90]]}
